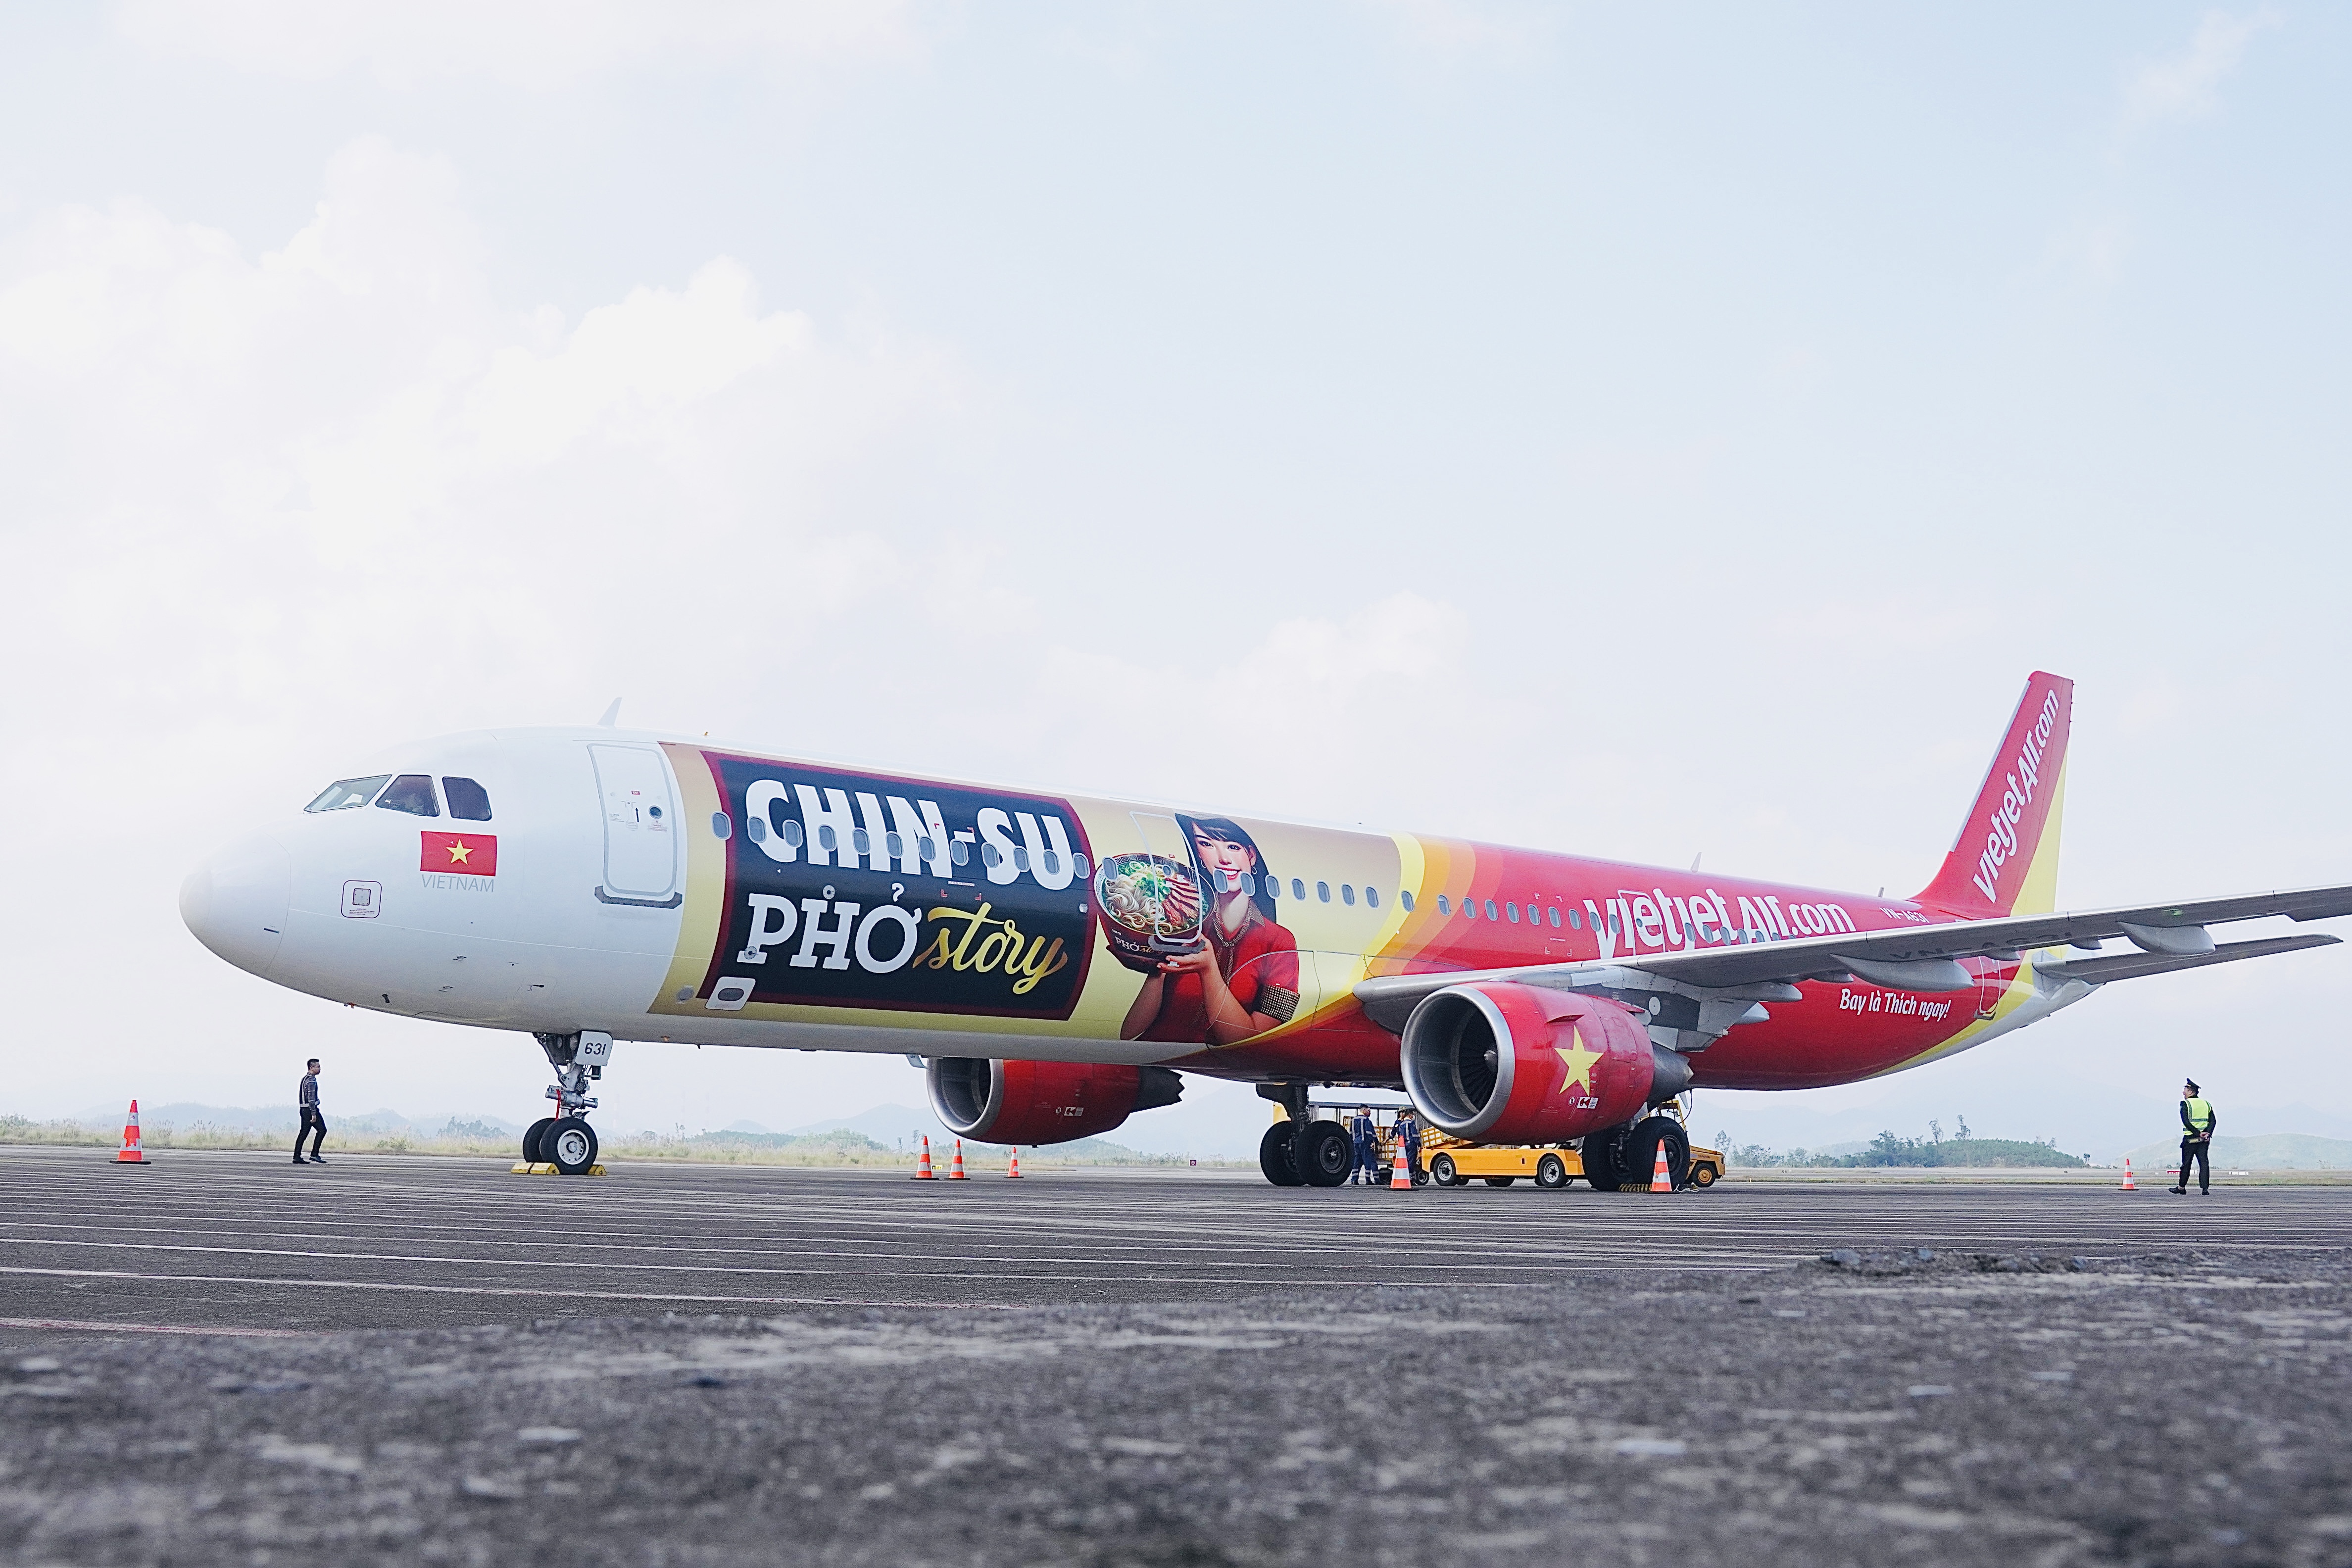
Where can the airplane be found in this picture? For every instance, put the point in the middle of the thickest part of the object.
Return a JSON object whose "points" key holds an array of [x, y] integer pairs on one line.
{"points": [[1056, 962]]}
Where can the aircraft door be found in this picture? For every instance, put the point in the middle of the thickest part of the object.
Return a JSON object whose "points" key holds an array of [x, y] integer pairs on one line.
{"points": [[640, 827]]}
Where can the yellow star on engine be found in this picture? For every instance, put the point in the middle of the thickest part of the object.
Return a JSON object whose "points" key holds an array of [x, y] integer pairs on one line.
{"points": [[460, 850], [1578, 1061]]}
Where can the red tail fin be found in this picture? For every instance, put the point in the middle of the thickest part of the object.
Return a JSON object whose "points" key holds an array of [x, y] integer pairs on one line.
{"points": [[2005, 860]]}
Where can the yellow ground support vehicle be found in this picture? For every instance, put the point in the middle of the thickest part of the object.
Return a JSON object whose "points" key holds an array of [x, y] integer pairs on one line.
{"points": [[1449, 1162], [1452, 1162]]}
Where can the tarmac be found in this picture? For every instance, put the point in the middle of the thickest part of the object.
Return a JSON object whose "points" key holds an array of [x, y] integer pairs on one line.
{"points": [[384, 1360]]}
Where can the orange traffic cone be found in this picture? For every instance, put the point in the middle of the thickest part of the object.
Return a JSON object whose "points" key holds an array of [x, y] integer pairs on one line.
{"points": [[923, 1161], [1399, 1174], [2129, 1185], [131, 1153], [1661, 1175], [955, 1172], [1014, 1174]]}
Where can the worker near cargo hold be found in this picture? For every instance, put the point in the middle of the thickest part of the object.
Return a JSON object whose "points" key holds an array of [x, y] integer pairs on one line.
{"points": [[314, 1126], [1408, 1130], [1367, 1148], [2197, 1124]]}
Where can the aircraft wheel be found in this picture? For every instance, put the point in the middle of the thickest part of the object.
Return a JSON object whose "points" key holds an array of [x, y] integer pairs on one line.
{"points": [[1551, 1173], [1638, 1156], [1442, 1171], [1498, 1181], [570, 1146], [1275, 1153], [1603, 1155], [1325, 1153], [533, 1138]]}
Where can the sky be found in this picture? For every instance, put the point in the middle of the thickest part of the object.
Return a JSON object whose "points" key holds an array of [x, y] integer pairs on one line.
{"points": [[1644, 433]]}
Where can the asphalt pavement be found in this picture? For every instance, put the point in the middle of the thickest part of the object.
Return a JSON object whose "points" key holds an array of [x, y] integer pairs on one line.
{"points": [[222, 1239], [426, 1362]]}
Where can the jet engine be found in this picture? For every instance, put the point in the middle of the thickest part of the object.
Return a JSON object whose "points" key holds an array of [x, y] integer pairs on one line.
{"points": [[1043, 1102], [1519, 1064]]}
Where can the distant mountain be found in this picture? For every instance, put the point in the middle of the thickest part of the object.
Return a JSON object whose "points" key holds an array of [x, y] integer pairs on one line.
{"points": [[2265, 1151], [184, 1114]]}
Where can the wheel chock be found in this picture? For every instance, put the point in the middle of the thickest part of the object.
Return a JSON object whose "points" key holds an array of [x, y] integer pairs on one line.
{"points": [[524, 1168]]}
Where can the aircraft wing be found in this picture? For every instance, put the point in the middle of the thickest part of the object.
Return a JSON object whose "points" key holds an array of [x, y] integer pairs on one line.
{"points": [[1908, 958]]}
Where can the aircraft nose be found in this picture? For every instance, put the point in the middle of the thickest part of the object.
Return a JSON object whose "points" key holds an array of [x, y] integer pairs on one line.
{"points": [[235, 903]]}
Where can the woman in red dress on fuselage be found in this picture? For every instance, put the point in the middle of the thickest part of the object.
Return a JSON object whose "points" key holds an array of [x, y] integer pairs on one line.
{"points": [[1244, 979]]}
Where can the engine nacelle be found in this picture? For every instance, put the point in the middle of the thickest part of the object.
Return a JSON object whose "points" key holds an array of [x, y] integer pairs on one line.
{"points": [[1519, 1064], [1041, 1102]]}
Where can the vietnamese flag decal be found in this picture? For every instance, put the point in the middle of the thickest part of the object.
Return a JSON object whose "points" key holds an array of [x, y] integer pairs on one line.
{"points": [[467, 854]]}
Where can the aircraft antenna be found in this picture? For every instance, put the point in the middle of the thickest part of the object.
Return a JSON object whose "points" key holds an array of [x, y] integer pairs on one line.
{"points": [[612, 715]]}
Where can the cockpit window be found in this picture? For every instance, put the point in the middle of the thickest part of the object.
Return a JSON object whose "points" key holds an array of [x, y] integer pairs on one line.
{"points": [[411, 793], [344, 793], [469, 802]]}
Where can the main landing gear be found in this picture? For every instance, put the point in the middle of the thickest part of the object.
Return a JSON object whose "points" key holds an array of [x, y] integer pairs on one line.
{"points": [[565, 1140], [1627, 1156], [1301, 1152]]}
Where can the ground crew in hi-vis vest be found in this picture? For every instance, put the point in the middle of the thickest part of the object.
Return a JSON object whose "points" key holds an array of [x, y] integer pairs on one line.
{"points": [[2197, 1124]]}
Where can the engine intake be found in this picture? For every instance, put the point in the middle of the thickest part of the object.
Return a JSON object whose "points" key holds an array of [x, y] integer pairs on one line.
{"points": [[1043, 1102], [1519, 1064]]}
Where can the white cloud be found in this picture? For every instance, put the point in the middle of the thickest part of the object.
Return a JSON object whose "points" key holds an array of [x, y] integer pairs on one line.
{"points": [[534, 43], [268, 513], [1454, 28], [2187, 85]]}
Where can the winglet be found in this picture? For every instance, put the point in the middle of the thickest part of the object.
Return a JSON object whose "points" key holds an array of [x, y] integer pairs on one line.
{"points": [[612, 715], [2005, 860]]}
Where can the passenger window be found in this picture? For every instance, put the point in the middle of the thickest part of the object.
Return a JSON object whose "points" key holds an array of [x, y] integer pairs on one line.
{"points": [[860, 844], [1297, 889], [792, 833], [344, 793], [721, 827], [894, 847], [1323, 891], [960, 852], [1371, 898], [1553, 915], [1490, 909], [1470, 909], [1444, 905], [826, 838], [411, 793], [1249, 884], [1404, 896], [1053, 864], [990, 856], [1575, 921], [1078, 865], [1020, 857], [1347, 894], [469, 802]]}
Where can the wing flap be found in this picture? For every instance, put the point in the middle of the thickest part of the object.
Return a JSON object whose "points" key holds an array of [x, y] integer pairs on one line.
{"points": [[2132, 966]]}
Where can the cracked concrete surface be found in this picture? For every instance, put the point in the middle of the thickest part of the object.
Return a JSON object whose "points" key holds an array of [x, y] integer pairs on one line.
{"points": [[1886, 1407]]}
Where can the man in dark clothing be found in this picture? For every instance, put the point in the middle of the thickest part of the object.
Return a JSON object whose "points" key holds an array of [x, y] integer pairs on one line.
{"points": [[314, 1126], [1367, 1148], [2197, 1124]]}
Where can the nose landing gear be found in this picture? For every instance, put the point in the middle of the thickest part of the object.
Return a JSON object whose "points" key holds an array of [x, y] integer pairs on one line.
{"points": [[565, 1140]]}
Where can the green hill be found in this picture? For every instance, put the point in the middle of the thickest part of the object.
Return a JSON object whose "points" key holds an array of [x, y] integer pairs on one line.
{"points": [[2269, 1152]]}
